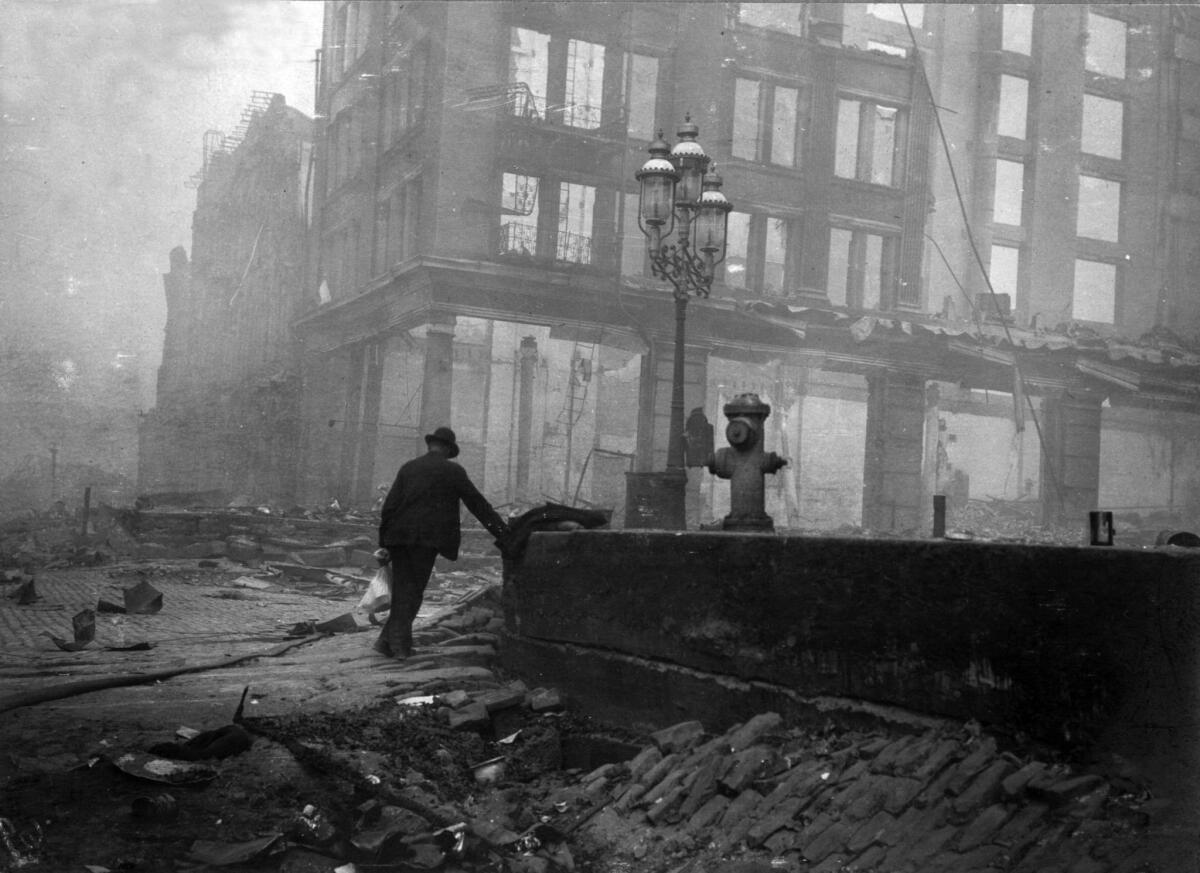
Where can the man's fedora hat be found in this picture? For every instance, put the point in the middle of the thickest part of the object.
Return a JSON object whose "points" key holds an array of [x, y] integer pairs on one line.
{"points": [[445, 436]]}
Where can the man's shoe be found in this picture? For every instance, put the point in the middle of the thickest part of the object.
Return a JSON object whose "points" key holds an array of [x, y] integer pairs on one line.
{"points": [[382, 648]]}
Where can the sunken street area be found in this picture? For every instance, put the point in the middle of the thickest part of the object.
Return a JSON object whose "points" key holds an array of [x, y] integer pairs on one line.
{"points": [[197, 691]]}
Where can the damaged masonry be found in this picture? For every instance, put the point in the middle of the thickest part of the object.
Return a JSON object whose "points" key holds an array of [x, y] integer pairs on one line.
{"points": [[833, 369]]}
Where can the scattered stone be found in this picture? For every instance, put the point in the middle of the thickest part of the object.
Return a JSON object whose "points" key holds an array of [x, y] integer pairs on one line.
{"points": [[655, 774], [1063, 790], [870, 832], [752, 731], [971, 765], [544, 699], [644, 762], [1015, 783], [454, 699], [512, 694], [678, 737], [712, 810], [983, 827], [985, 789], [943, 753], [746, 767], [473, 715]]}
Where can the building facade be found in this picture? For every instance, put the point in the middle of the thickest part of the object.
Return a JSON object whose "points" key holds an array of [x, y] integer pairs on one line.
{"points": [[474, 257], [226, 416]]}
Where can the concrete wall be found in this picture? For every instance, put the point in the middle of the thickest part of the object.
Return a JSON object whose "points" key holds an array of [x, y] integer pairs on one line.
{"points": [[1072, 646]]}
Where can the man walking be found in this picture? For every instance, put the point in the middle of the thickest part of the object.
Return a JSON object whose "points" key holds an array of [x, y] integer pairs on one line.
{"points": [[420, 520]]}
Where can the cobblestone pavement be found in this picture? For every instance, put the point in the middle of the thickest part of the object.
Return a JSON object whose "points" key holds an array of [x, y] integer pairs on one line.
{"points": [[205, 617]]}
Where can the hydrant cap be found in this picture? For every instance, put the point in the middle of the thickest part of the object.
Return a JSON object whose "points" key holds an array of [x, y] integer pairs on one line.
{"points": [[746, 404]]}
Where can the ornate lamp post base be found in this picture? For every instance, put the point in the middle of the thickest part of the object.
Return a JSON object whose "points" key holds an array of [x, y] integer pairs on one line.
{"points": [[656, 500]]}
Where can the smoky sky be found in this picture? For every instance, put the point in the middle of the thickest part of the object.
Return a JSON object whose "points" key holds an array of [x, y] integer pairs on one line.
{"points": [[104, 106]]}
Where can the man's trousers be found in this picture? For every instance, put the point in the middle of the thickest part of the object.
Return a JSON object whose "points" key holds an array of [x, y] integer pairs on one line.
{"points": [[412, 566]]}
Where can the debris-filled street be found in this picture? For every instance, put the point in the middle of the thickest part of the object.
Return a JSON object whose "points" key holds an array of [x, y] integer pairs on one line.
{"points": [[615, 437], [242, 721]]}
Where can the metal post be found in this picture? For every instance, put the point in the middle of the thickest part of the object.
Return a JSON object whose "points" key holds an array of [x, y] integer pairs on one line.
{"points": [[939, 515], [675, 435]]}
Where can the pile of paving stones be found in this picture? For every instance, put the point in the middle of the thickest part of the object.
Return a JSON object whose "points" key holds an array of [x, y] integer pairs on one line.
{"points": [[945, 800]]}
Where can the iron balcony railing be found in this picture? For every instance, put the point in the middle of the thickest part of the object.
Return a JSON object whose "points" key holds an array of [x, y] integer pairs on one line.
{"points": [[518, 239], [574, 248], [522, 240]]}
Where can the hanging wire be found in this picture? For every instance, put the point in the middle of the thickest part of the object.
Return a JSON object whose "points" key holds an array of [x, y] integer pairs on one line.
{"points": [[962, 206]]}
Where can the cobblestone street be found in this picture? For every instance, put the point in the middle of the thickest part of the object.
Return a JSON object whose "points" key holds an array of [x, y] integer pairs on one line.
{"points": [[205, 617]]}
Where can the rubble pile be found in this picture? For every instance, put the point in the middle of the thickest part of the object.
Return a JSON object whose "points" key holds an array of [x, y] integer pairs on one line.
{"points": [[946, 800]]}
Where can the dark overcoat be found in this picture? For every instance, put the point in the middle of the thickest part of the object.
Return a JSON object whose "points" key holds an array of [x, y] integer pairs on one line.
{"points": [[422, 507]]}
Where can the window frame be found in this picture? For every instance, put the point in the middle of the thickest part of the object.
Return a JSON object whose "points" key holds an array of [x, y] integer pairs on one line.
{"points": [[1121, 132], [1119, 212], [856, 266], [549, 224], [757, 233], [765, 111], [864, 152], [1117, 278], [995, 218], [1000, 106], [1026, 39], [1124, 61], [627, 84]]}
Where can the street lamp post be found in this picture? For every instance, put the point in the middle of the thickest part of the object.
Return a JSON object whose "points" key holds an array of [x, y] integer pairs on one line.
{"points": [[678, 194]]}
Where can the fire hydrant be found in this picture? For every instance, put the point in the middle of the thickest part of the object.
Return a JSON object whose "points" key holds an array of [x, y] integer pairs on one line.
{"points": [[745, 464]]}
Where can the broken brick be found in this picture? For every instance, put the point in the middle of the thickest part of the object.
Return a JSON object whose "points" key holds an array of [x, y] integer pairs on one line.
{"points": [[454, 699], [544, 699], [914, 754], [926, 847], [629, 797], [1023, 828], [745, 767], [472, 715], [507, 697], [739, 811], [901, 791], [983, 827], [712, 810], [643, 762], [870, 859], [781, 841], [776, 818], [854, 771], [702, 787], [665, 785], [678, 737], [1066, 789], [830, 841], [943, 753], [882, 762], [655, 774], [665, 804], [970, 765], [983, 858], [752, 731], [1015, 783], [870, 832], [985, 788]]}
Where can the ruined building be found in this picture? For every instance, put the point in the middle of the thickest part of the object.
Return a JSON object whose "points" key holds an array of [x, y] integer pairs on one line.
{"points": [[474, 256], [226, 418]]}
